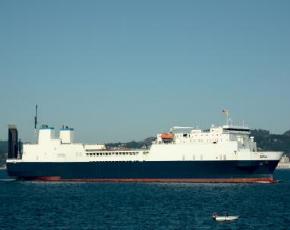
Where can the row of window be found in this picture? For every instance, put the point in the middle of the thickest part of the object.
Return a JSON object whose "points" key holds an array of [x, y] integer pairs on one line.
{"points": [[206, 140], [111, 153], [197, 135], [197, 140]]}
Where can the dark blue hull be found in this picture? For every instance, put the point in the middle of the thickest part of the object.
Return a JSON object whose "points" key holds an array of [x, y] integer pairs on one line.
{"points": [[167, 171]]}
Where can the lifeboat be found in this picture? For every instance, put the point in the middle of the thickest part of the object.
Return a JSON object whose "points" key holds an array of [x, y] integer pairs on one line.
{"points": [[167, 136]]}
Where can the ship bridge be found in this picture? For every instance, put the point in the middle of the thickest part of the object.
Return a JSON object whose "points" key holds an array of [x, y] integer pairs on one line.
{"points": [[214, 135], [235, 129]]}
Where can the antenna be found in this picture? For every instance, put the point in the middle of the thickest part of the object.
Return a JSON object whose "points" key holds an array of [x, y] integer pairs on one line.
{"points": [[227, 114], [35, 118]]}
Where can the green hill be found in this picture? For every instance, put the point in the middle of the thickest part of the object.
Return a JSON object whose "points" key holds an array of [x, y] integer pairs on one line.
{"points": [[267, 141], [3, 152]]}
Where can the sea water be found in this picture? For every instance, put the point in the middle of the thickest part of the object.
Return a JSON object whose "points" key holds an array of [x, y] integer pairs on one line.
{"points": [[63, 205]]}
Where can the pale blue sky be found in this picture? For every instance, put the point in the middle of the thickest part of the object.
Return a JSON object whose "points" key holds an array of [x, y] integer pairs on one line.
{"points": [[125, 70]]}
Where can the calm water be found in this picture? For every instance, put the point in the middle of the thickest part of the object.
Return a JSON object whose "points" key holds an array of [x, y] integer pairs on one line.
{"points": [[40, 205]]}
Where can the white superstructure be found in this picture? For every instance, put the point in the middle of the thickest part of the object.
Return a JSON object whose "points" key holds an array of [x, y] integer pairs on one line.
{"points": [[217, 143], [221, 143]]}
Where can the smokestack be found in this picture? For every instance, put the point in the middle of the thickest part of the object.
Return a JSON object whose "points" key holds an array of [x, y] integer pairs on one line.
{"points": [[12, 142]]}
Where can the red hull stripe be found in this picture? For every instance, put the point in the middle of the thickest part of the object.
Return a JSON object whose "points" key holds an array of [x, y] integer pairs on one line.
{"points": [[158, 180]]}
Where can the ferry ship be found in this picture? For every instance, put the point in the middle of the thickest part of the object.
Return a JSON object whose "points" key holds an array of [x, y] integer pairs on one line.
{"points": [[218, 155]]}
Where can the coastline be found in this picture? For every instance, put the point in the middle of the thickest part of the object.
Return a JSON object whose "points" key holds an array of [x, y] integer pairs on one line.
{"points": [[283, 166], [284, 163]]}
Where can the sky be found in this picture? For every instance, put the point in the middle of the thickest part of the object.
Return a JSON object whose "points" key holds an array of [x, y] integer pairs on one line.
{"points": [[126, 70]]}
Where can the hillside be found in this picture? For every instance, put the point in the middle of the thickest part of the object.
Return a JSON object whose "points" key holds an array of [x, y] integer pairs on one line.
{"points": [[267, 141], [132, 144], [3, 152]]}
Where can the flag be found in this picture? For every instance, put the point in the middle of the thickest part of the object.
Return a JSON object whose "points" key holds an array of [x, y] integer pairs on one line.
{"points": [[226, 112]]}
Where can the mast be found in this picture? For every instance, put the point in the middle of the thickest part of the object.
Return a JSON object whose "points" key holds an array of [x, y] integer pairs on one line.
{"points": [[35, 119], [227, 114]]}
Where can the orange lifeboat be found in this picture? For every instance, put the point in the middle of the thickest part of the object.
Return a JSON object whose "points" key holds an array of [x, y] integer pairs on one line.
{"points": [[167, 136]]}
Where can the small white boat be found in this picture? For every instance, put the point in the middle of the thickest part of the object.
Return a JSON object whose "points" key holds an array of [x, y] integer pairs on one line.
{"points": [[224, 218]]}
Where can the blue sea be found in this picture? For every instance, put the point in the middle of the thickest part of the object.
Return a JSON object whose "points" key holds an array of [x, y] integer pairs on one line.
{"points": [[47, 205]]}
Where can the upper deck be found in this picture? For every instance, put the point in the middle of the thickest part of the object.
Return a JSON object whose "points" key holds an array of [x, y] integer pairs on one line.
{"points": [[214, 135]]}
